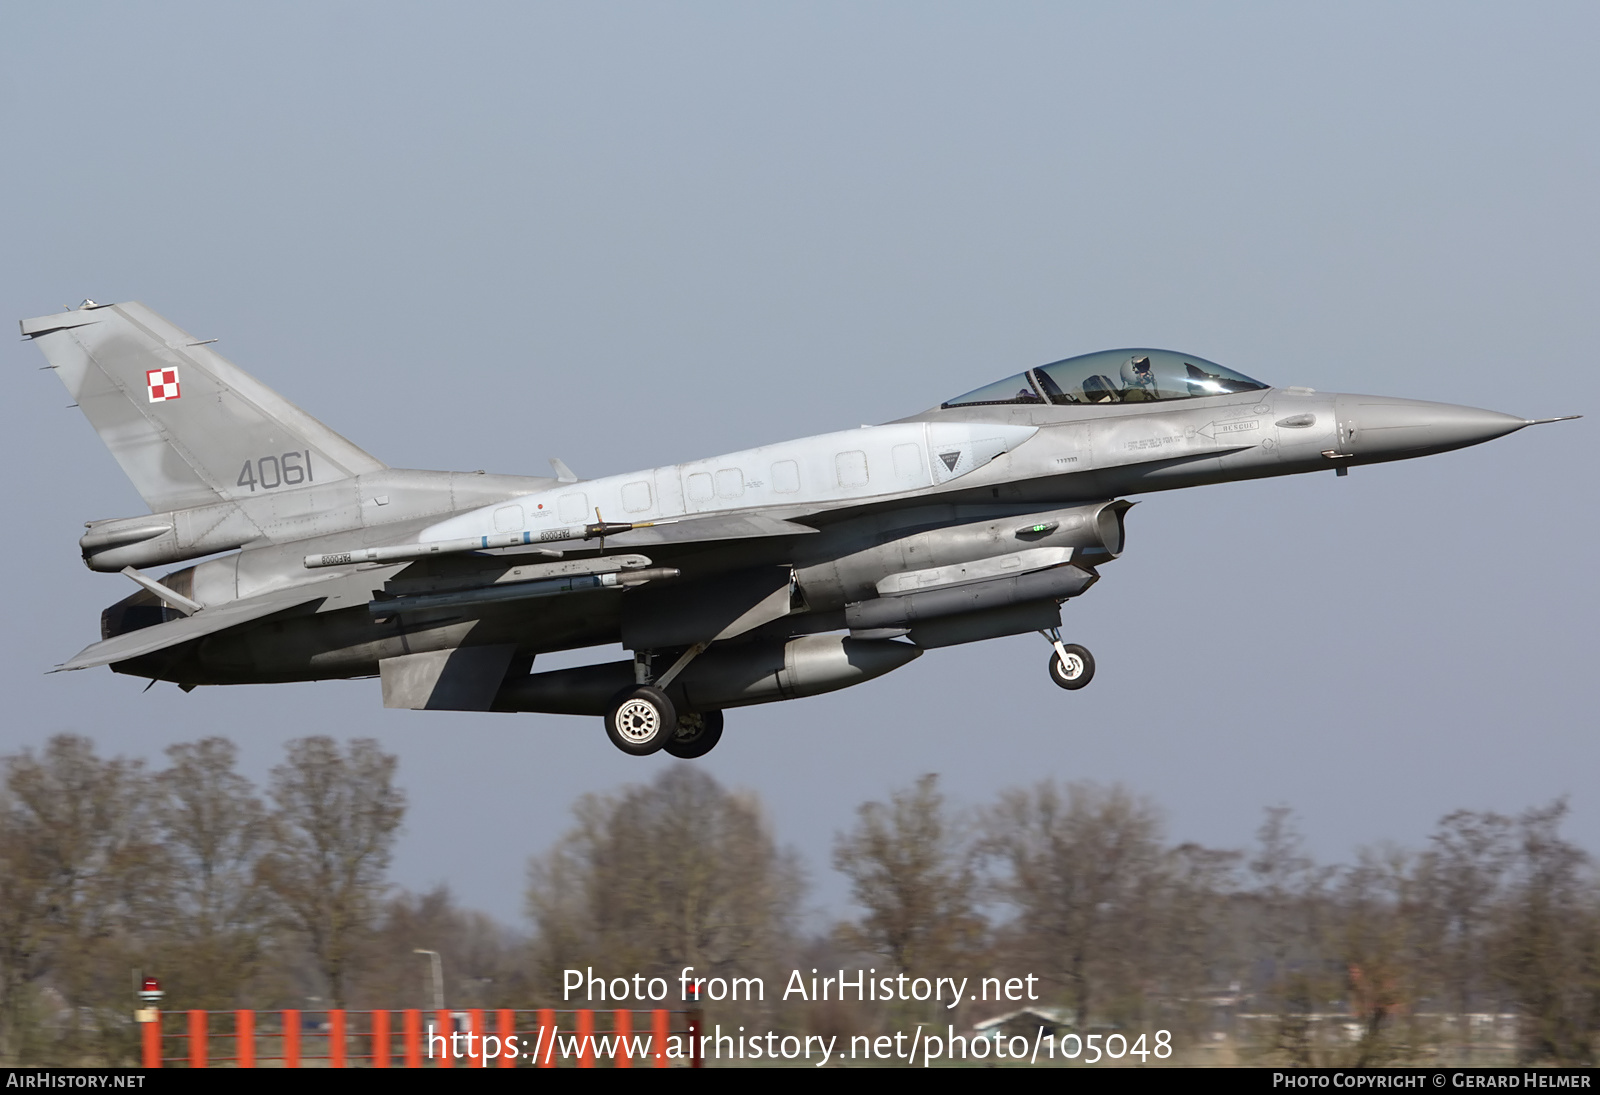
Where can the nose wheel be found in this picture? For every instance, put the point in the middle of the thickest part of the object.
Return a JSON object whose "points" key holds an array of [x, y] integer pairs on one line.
{"points": [[1071, 665]]}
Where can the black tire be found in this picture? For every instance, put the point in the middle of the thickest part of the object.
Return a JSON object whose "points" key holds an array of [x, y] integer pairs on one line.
{"points": [[641, 721], [1079, 671], [697, 735]]}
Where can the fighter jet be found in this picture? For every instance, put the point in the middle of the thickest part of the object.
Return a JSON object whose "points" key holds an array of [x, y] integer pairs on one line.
{"points": [[769, 574]]}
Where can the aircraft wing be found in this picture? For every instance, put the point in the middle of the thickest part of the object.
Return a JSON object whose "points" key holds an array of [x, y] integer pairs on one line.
{"points": [[694, 530], [148, 640]]}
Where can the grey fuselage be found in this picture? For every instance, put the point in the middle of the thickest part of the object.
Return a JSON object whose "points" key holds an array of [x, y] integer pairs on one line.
{"points": [[952, 487]]}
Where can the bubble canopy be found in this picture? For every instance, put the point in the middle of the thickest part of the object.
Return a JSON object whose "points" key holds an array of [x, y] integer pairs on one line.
{"points": [[1114, 376]]}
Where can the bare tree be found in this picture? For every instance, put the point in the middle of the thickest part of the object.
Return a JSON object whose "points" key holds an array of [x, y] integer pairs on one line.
{"points": [[77, 874], [1291, 911], [1083, 870], [1463, 876], [1380, 942], [217, 910], [24, 929], [1192, 945], [333, 835], [1551, 943], [1284, 874], [482, 962], [676, 873], [911, 872]]}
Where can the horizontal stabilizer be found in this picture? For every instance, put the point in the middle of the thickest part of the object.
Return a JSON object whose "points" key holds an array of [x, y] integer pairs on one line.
{"points": [[462, 679], [148, 640]]}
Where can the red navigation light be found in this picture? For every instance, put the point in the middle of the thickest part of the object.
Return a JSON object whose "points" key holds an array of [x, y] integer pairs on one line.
{"points": [[150, 990]]}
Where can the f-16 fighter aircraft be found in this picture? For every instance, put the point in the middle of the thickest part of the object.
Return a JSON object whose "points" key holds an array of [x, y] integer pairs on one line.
{"points": [[770, 574]]}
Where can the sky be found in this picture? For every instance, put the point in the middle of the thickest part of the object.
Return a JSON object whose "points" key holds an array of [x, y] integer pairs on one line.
{"points": [[625, 235]]}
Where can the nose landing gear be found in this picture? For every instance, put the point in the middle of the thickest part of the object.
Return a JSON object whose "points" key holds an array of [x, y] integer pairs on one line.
{"points": [[1071, 665]]}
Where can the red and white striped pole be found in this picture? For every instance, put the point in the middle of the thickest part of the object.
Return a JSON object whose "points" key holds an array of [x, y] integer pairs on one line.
{"points": [[149, 1020]]}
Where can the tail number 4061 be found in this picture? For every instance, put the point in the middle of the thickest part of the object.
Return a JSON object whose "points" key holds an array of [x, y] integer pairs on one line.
{"points": [[289, 470]]}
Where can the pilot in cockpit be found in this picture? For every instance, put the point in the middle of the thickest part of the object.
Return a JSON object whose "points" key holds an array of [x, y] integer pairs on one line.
{"points": [[1138, 381]]}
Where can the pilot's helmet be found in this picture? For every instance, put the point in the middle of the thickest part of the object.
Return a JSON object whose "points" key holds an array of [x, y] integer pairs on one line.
{"points": [[1137, 374]]}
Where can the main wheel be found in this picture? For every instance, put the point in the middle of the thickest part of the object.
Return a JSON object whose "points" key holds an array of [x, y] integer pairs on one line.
{"points": [[641, 721], [697, 735], [1076, 671]]}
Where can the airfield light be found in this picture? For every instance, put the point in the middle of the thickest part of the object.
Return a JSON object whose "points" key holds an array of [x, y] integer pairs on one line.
{"points": [[438, 977]]}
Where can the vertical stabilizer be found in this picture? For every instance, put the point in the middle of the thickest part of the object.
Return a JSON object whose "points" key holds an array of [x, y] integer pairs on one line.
{"points": [[188, 426]]}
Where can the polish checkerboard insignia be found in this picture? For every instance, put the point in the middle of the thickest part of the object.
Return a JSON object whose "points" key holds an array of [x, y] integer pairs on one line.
{"points": [[163, 384]]}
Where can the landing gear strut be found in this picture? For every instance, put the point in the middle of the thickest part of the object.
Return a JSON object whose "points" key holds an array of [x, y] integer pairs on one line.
{"points": [[644, 720], [1071, 665]]}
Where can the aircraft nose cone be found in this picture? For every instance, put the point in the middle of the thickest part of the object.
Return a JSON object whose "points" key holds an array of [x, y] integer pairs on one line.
{"points": [[1383, 428]]}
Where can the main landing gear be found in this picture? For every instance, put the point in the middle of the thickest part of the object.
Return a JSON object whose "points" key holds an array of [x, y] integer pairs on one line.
{"points": [[644, 720], [641, 721], [697, 735], [1071, 665]]}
